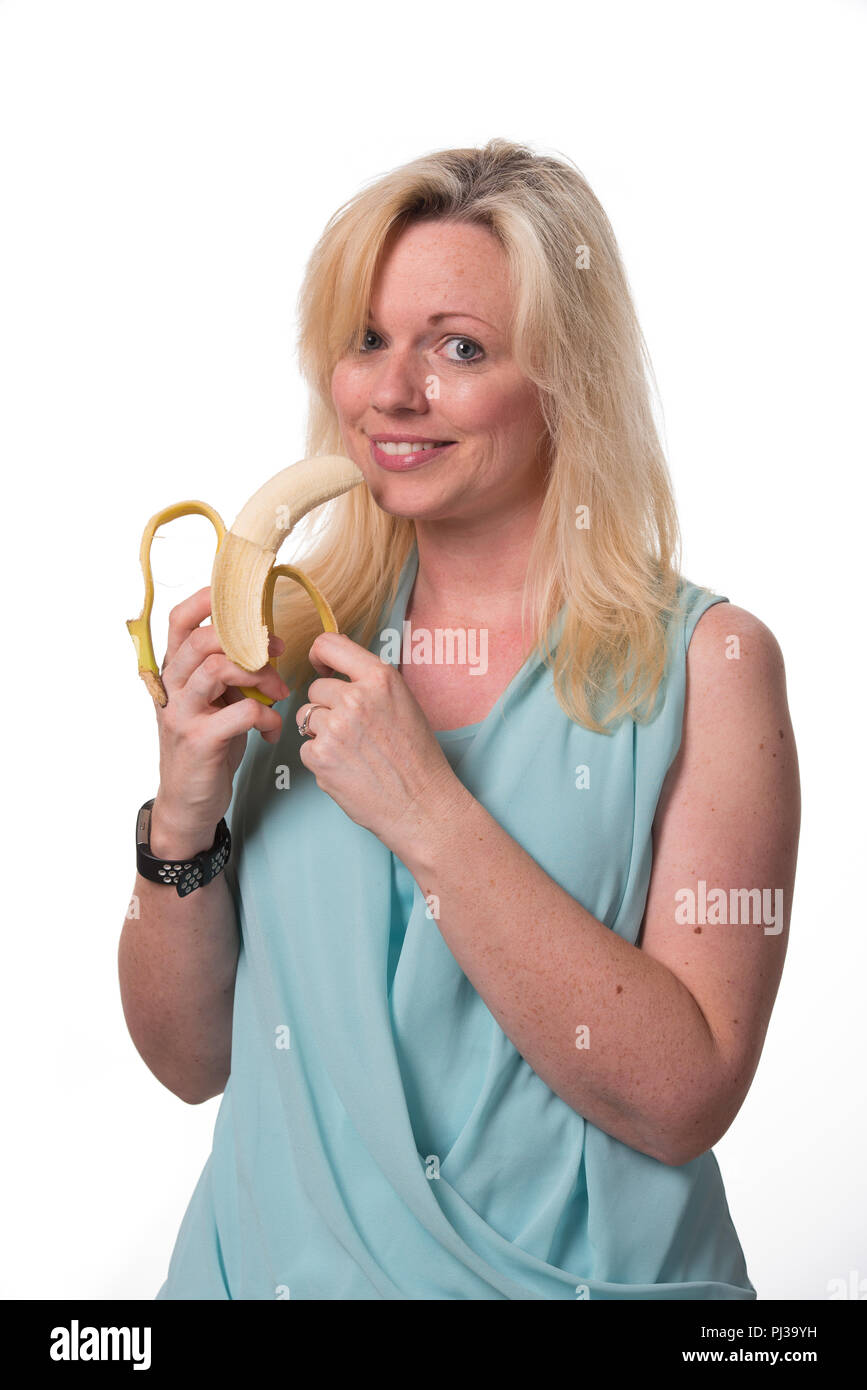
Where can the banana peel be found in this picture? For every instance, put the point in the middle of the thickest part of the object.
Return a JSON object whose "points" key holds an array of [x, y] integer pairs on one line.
{"points": [[245, 570]]}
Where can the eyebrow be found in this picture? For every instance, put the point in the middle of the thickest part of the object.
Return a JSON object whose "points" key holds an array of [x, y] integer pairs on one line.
{"points": [[458, 314], [451, 314]]}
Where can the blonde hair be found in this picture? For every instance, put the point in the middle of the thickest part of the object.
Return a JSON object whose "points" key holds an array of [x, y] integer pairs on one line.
{"points": [[575, 334]]}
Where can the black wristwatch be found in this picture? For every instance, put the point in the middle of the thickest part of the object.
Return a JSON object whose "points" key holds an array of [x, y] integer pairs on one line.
{"points": [[185, 874]]}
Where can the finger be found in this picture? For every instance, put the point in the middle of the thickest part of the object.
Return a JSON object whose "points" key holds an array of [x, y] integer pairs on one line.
{"points": [[320, 666], [201, 643], [340, 653], [238, 718], [233, 694], [302, 713], [184, 618], [327, 691], [216, 674]]}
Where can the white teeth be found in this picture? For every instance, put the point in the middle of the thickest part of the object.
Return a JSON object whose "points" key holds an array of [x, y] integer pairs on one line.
{"points": [[406, 448]]}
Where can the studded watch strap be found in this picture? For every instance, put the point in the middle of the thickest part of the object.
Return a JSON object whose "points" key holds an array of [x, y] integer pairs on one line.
{"points": [[185, 875]]}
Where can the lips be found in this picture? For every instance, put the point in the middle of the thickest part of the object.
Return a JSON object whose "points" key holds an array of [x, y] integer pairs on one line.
{"points": [[403, 453]]}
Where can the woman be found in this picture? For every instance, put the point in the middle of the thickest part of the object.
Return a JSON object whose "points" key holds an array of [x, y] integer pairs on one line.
{"points": [[492, 962]]}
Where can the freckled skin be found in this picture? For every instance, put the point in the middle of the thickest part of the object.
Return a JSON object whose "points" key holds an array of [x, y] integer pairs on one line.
{"points": [[476, 507]]}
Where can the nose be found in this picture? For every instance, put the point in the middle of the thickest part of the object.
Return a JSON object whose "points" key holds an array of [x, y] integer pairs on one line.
{"points": [[399, 383]]}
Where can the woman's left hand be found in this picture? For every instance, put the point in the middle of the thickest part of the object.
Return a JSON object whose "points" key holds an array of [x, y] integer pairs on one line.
{"points": [[372, 748]]}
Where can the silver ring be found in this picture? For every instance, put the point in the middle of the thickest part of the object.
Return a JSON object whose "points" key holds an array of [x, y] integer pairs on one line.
{"points": [[302, 727]]}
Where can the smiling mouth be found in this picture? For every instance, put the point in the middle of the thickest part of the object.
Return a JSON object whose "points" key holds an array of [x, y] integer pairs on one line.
{"points": [[396, 449]]}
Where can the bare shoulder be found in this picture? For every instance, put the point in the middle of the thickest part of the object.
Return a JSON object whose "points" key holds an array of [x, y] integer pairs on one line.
{"points": [[727, 634], [736, 705]]}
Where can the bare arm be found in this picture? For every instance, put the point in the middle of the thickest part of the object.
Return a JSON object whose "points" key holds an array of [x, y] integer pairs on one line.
{"points": [[176, 964], [677, 1022], [177, 959]]}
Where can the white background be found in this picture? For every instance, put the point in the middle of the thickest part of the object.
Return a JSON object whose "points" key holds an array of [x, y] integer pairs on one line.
{"points": [[165, 169]]}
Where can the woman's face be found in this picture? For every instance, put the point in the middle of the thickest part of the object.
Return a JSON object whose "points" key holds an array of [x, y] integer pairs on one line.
{"points": [[436, 367]]}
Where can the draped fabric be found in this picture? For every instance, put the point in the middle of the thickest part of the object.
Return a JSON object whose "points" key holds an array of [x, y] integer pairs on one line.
{"points": [[380, 1137]]}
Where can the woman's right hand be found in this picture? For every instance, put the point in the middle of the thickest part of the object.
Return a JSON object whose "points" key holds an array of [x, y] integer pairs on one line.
{"points": [[203, 728]]}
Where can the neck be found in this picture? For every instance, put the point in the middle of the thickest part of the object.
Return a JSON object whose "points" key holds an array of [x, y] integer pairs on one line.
{"points": [[474, 569]]}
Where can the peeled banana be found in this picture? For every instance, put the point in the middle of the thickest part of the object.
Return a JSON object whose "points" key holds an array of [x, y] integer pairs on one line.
{"points": [[244, 572]]}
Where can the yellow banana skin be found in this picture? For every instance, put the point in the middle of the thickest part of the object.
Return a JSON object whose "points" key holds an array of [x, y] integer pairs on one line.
{"points": [[244, 573], [140, 627]]}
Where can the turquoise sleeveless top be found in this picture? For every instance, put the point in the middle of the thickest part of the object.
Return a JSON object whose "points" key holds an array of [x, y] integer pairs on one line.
{"points": [[379, 1136]]}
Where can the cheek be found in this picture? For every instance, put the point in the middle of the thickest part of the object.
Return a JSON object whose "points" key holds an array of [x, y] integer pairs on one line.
{"points": [[346, 389], [493, 407]]}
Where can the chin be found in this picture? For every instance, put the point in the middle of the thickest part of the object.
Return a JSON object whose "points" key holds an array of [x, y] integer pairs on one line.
{"points": [[389, 500]]}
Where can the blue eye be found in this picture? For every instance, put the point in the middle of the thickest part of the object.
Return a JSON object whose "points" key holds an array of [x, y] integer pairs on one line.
{"points": [[466, 342], [460, 343]]}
